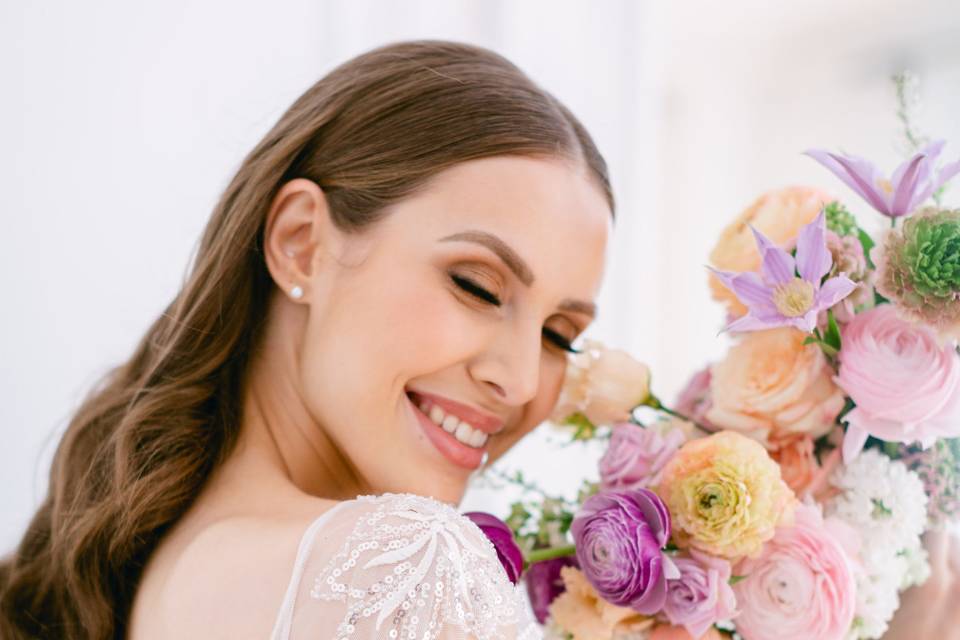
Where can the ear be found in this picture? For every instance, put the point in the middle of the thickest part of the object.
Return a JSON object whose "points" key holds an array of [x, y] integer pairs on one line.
{"points": [[298, 234]]}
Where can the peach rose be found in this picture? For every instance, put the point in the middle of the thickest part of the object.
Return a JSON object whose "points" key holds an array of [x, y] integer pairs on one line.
{"points": [[582, 612], [798, 465], [779, 215], [772, 387]]}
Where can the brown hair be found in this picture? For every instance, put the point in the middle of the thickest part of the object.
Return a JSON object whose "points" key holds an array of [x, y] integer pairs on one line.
{"points": [[143, 442]]}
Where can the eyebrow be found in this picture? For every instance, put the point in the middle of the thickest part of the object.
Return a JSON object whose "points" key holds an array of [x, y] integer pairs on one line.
{"points": [[516, 264]]}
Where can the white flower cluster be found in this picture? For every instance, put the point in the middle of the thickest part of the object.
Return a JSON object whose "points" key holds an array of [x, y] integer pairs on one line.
{"points": [[886, 503]]}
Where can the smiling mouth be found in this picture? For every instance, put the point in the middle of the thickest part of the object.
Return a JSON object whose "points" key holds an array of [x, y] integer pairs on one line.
{"points": [[463, 431]]}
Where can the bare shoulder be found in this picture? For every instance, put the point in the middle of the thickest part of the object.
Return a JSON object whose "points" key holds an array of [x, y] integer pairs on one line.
{"points": [[225, 578]]}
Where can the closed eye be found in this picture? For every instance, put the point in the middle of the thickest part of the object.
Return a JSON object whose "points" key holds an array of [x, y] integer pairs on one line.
{"points": [[476, 290], [480, 293]]}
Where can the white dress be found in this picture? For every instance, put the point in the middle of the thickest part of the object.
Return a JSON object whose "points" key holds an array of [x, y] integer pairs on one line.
{"points": [[400, 566]]}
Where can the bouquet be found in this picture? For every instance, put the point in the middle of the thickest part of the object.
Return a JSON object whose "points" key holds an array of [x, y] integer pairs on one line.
{"points": [[785, 493]]}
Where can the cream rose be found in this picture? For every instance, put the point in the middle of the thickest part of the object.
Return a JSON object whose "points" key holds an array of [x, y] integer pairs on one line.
{"points": [[771, 387], [602, 384]]}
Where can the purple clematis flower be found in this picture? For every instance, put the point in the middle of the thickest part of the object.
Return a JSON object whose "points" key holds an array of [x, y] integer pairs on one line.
{"points": [[913, 182], [777, 297]]}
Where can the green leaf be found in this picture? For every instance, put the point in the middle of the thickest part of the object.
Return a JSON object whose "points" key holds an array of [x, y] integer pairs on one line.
{"points": [[892, 449], [867, 243], [735, 579], [584, 429], [832, 335]]}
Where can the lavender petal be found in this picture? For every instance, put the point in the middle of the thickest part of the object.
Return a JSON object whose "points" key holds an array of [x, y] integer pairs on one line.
{"points": [[749, 288], [906, 187], [777, 265], [833, 291], [813, 257], [750, 322], [856, 173]]}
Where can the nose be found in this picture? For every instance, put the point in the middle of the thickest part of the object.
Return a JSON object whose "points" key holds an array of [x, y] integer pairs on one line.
{"points": [[510, 366]]}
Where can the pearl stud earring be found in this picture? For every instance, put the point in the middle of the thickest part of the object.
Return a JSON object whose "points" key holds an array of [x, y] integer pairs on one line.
{"points": [[296, 292]]}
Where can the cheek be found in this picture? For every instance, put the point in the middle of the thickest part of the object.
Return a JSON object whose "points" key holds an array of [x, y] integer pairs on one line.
{"points": [[381, 333], [538, 409]]}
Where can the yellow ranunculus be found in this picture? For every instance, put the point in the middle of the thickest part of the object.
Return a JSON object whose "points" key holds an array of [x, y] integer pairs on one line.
{"points": [[725, 495]]}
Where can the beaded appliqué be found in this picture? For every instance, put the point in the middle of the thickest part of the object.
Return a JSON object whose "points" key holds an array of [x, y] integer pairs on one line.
{"points": [[435, 568]]}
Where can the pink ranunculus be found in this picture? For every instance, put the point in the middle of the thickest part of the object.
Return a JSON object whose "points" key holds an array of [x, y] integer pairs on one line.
{"points": [[636, 455], [906, 384], [702, 594], [802, 584]]}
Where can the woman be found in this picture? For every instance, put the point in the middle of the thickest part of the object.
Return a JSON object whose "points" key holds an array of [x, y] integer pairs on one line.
{"points": [[384, 295]]}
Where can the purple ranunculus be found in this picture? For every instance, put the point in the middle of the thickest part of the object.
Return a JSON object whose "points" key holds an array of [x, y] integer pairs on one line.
{"points": [[619, 536], [911, 183], [544, 583], [501, 537], [702, 594], [636, 455]]}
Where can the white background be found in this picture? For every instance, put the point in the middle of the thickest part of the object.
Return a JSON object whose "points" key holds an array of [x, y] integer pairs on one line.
{"points": [[120, 122]]}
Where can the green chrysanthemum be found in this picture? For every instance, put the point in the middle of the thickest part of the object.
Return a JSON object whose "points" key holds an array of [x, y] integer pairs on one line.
{"points": [[920, 267]]}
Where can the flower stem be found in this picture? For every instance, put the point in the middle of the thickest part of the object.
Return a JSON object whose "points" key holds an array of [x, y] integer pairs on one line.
{"points": [[654, 402], [539, 555]]}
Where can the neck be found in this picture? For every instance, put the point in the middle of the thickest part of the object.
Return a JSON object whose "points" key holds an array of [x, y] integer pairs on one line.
{"points": [[278, 435]]}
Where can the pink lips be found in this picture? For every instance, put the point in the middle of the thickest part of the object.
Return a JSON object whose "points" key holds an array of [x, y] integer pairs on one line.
{"points": [[486, 422], [455, 451]]}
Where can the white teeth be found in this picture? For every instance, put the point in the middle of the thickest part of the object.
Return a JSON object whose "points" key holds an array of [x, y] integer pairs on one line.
{"points": [[463, 433], [452, 425], [478, 439]]}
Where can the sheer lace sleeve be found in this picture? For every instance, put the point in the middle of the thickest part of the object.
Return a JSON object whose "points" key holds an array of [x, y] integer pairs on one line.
{"points": [[401, 566]]}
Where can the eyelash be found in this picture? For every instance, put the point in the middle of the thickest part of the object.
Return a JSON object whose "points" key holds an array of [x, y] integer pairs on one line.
{"points": [[479, 292]]}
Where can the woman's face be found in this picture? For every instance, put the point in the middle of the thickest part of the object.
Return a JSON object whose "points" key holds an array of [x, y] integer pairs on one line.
{"points": [[436, 334]]}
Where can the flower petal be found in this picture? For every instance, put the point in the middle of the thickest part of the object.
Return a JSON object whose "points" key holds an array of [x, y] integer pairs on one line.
{"points": [[857, 173], [853, 441], [905, 183], [947, 173], [813, 257], [943, 176], [749, 288], [777, 265], [933, 149], [833, 291], [751, 322], [806, 322]]}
